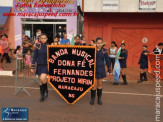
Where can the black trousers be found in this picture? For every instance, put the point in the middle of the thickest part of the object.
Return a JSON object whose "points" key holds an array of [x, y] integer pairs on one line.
{"points": [[112, 62], [5, 55]]}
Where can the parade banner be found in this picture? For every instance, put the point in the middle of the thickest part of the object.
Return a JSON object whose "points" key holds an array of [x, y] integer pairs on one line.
{"points": [[71, 70], [155, 65]]}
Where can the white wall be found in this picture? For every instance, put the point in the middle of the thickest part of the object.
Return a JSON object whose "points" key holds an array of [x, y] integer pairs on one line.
{"points": [[124, 6], [6, 3], [92, 5]]}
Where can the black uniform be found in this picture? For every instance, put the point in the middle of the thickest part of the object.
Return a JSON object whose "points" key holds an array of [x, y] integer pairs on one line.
{"points": [[123, 62], [101, 56], [143, 61], [40, 56]]}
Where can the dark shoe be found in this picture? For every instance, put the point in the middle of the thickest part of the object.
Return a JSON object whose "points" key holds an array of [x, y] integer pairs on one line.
{"points": [[141, 78], [124, 80], [115, 83], [42, 93], [93, 94], [99, 94], [145, 76], [45, 91]]}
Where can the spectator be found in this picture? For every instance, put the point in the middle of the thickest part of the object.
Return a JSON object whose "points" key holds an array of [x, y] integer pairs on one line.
{"points": [[84, 41], [112, 55], [65, 41], [18, 52], [36, 38], [92, 43], [5, 50], [56, 41], [28, 62], [1, 53], [9, 43], [27, 44], [77, 40]]}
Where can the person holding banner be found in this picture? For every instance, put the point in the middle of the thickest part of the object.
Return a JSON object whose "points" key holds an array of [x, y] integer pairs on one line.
{"points": [[101, 55], [143, 61], [123, 62], [40, 57]]}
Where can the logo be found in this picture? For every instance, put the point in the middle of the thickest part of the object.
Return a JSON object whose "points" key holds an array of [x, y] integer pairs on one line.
{"points": [[14, 114], [144, 40]]}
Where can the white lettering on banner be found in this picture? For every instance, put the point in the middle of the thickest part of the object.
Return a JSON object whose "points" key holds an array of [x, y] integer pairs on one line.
{"points": [[147, 4]]}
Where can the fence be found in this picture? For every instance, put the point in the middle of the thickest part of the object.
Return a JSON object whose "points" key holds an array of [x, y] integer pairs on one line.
{"points": [[23, 77]]}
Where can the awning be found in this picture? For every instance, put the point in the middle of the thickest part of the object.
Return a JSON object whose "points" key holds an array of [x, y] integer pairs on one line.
{"points": [[3, 18]]}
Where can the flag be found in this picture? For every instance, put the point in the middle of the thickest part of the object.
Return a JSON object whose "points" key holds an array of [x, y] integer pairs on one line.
{"points": [[72, 40], [117, 67], [118, 53]]}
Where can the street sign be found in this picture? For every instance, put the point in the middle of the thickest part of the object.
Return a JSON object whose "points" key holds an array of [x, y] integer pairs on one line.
{"points": [[71, 70]]}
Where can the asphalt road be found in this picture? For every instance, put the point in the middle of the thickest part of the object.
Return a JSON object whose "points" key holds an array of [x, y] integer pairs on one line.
{"points": [[131, 103]]}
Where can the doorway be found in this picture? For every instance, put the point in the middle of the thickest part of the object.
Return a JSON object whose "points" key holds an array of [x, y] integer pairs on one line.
{"points": [[48, 26]]}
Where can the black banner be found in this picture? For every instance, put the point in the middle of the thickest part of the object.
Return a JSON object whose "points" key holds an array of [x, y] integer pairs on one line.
{"points": [[71, 70]]}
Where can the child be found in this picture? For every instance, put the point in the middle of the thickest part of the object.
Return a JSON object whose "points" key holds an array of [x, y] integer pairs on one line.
{"points": [[92, 43], [28, 61], [18, 52], [123, 63], [40, 57], [56, 41], [143, 64], [101, 55]]}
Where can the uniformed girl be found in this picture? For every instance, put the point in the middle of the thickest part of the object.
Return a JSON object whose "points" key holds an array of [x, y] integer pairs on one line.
{"points": [[40, 57], [123, 63], [101, 55], [143, 61]]}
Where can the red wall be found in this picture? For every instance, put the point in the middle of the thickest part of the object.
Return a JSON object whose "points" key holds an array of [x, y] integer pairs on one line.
{"points": [[131, 27]]}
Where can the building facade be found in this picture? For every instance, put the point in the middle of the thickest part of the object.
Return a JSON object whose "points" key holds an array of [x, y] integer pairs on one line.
{"points": [[138, 22], [16, 26]]}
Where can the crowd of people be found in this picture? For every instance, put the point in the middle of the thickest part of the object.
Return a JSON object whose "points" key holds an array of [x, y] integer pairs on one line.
{"points": [[34, 51]]}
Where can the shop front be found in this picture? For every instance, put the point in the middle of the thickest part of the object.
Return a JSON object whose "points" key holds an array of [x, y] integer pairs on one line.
{"points": [[51, 25]]}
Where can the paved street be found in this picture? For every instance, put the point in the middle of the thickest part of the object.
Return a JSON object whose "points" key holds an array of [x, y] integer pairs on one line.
{"points": [[132, 103]]}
